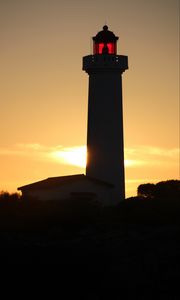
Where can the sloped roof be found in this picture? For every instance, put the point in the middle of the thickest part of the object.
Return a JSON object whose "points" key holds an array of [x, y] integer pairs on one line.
{"points": [[53, 182]]}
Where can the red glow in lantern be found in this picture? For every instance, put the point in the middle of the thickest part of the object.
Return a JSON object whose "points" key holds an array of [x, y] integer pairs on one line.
{"points": [[105, 42]]}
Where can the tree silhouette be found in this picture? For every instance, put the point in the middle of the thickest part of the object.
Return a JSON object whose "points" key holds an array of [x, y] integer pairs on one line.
{"points": [[162, 190], [146, 190]]}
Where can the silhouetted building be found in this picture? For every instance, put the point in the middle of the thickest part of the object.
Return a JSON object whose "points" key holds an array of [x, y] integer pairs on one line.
{"points": [[104, 178], [73, 186], [105, 113]]}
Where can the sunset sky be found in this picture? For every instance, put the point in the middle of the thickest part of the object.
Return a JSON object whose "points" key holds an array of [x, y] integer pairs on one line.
{"points": [[44, 92]]}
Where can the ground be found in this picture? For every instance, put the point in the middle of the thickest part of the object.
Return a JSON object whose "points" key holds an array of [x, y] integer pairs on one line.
{"points": [[134, 260]]}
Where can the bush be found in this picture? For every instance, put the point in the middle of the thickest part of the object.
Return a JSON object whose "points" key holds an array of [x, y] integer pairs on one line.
{"points": [[31, 214], [146, 190], [163, 189]]}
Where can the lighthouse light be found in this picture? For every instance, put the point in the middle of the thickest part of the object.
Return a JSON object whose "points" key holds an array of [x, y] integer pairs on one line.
{"points": [[105, 48], [105, 42]]}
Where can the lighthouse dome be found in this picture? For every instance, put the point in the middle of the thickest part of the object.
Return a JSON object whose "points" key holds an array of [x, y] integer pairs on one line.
{"points": [[105, 36]]}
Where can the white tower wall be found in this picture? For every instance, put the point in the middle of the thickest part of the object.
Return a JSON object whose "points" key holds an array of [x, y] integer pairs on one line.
{"points": [[105, 120]]}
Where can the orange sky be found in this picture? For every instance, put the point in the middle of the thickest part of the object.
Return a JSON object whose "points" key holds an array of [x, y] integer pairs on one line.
{"points": [[43, 90]]}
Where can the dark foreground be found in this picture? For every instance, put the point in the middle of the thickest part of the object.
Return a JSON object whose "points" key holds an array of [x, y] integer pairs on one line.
{"points": [[78, 250], [139, 262]]}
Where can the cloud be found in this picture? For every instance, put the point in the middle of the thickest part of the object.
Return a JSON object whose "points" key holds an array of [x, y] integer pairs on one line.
{"points": [[148, 155], [24, 150], [30, 146], [151, 151], [139, 156], [75, 155], [143, 164]]}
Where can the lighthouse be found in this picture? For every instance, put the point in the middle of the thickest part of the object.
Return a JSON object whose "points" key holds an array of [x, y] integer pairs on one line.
{"points": [[104, 179], [105, 142]]}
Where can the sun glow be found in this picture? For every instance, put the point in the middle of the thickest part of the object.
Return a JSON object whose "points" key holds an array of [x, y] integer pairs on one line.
{"points": [[73, 156], [132, 163], [128, 162], [77, 156]]}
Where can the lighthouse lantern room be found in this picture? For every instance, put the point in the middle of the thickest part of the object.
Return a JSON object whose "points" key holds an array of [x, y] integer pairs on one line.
{"points": [[105, 42]]}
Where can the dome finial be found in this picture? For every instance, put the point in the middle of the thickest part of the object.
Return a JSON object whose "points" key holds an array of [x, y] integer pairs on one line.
{"points": [[105, 27]]}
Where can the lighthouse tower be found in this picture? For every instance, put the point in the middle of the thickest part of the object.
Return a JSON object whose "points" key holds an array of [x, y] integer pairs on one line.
{"points": [[105, 147]]}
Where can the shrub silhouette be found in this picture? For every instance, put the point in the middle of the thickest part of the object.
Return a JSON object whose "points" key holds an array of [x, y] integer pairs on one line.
{"points": [[6, 197], [146, 190], [168, 189], [155, 204], [24, 213], [163, 189]]}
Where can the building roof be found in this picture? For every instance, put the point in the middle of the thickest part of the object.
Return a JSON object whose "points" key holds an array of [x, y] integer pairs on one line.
{"points": [[54, 182]]}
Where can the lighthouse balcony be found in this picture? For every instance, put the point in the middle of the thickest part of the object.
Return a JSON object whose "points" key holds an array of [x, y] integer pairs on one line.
{"points": [[100, 61]]}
